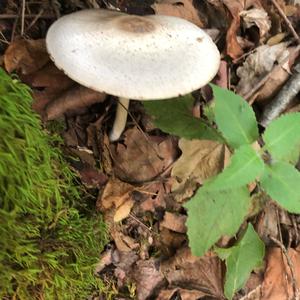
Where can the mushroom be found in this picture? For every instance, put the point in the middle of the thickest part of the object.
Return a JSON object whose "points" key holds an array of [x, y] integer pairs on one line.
{"points": [[132, 57]]}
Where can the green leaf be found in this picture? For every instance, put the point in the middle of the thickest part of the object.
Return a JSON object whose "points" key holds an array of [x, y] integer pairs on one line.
{"points": [[282, 182], [212, 214], [234, 117], [245, 166], [241, 259], [282, 138], [174, 116]]}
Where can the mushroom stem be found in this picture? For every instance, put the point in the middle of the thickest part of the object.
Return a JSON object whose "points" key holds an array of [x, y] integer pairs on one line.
{"points": [[120, 119]]}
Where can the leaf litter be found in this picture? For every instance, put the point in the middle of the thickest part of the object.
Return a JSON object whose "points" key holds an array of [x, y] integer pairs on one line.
{"points": [[142, 180]]}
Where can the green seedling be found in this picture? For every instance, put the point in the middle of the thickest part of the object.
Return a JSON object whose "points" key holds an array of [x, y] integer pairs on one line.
{"points": [[48, 248], [221, 205]]}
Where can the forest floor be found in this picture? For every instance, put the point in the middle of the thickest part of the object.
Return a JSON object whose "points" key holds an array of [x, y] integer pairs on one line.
{"points": [[141, 182]]}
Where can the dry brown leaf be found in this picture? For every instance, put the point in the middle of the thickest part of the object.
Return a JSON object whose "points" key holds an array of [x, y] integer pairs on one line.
{"points": [[276, 39], [174, 222], [76, 98], [195, 273], [258, 17], [113, 261], [123, 242], [152, 196], [92, 177], [258, 64], [123, 210], [182, 8], [169, 241], [200, 160], [233, 48], [178, 293], [277, 78], [142, 157], [267, 223], [115, 194], [106, 258], [277, 283], [26, 56], [49, 76], [148, 278], [124, 265]]}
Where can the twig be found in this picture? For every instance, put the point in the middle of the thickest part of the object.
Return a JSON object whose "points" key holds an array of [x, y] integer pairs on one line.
{"points": [[29, 16], [35, 19], [291, 266], [287, 21], [23, 17], [140, 222], [282, 99]]}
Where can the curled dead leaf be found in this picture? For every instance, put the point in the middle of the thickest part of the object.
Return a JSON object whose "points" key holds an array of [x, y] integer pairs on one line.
{"points": [[258, 17]]}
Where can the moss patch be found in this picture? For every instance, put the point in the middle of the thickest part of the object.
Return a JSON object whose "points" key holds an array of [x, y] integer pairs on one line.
{"points": [[47, 247]]}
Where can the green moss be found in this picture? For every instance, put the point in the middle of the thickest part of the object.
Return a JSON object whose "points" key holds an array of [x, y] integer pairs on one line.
{"points": [[47, 247]]}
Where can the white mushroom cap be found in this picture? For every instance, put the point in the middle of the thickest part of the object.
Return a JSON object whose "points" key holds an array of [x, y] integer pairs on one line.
{"points": [[142, 58]]}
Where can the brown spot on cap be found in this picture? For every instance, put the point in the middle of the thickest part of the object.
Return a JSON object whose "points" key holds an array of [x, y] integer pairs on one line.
{"points": [[136, 24]]}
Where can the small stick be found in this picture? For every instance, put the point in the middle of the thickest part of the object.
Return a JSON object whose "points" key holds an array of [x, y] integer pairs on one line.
{"points": [[282, 99], [35, 19], [29, 16], [140, 222], [290, 264], [23, 17], [287, 21]]}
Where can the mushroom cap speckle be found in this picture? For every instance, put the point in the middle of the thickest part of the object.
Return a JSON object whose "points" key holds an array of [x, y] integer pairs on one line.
{"points": [[142, 58]]}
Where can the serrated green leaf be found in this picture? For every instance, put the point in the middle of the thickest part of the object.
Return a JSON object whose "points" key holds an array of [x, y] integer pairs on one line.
{"points": [[244, 167], [282, 138], [174, 116], [235, 118], [212, 214], [247, 254], [282, 182]]}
